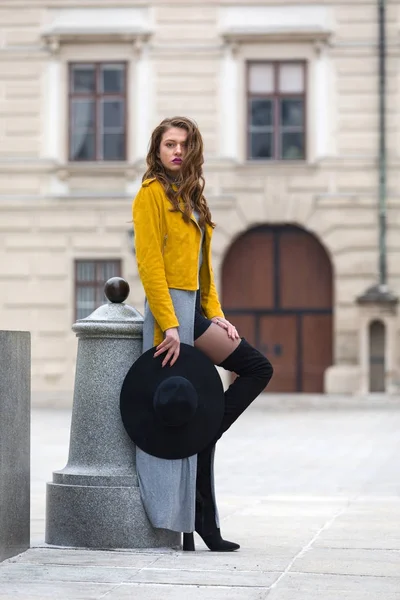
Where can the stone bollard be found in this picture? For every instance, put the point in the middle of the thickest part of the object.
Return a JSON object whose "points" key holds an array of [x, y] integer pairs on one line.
{"points": [[94, 502], [15, 375]]}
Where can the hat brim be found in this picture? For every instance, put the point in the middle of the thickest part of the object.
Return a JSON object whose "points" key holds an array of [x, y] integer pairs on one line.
{"points": [[138, 415]]}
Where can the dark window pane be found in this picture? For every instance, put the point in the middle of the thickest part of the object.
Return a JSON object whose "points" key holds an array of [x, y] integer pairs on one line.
{"points": [[292, 112], [114, 146], [293, 146], [83, 79], [261, 145], [83, 146], [85, 301], [82, 114], [107, 269], [113, 79], [261, 112], [85, 271], [111, 270], [113, 114], [82, 130]]}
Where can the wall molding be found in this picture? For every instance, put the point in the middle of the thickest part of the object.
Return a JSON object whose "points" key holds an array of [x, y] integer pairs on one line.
{"points": [[95, 25]]}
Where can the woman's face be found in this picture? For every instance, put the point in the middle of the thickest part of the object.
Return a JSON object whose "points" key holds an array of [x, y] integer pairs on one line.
{"points": [[173, 149]]}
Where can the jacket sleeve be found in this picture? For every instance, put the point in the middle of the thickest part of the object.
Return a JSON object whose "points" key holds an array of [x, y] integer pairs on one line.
{"points": [[148, 246]]}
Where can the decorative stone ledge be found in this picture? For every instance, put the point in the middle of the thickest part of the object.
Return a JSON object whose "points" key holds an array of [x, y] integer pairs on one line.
{"points": [[378, 294], [257, 35], [96, 25], [249, 24], [53, 40]]}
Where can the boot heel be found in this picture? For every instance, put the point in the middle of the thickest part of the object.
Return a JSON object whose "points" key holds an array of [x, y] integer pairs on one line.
{"points": [[188, 542]]}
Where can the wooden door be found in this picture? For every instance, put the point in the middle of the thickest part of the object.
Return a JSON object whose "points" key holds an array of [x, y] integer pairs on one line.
{"points": [[278, 340], [277, 289]]}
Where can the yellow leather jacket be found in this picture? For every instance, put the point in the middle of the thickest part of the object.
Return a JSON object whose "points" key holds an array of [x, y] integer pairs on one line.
{"points": [[167, 253]]}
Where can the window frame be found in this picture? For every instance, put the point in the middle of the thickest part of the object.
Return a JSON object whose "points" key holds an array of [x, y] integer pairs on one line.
{"points": [[276, 95], [96, 96], [96, 284]]}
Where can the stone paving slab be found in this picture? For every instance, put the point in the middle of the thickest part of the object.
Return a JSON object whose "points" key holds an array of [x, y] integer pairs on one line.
{"points": [[362, 593], [365, 525], [350, 561], [50, 573], [61, 591], [312, 496], [47, 555], [198, 576], [250, 559], [173, 592], [317, 584]]}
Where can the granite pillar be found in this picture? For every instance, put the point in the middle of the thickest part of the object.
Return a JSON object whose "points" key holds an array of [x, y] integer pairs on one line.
{"points": [[14, 443], [94, 502]]}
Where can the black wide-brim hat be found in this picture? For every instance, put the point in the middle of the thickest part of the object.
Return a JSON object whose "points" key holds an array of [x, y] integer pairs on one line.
{"points": [[172, 412]]}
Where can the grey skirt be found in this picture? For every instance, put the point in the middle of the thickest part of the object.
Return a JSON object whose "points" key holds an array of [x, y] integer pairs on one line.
{"points": [[168, 487]]}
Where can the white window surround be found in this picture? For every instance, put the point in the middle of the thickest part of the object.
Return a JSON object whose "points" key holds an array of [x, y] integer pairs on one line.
{"points": [[99, 42], [282, 33]]}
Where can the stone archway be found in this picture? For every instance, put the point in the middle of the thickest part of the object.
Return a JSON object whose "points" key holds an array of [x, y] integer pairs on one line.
{"points": [[277, 289]]}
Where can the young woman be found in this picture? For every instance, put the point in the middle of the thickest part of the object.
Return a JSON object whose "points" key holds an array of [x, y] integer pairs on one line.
{"points": [[173, 230]]}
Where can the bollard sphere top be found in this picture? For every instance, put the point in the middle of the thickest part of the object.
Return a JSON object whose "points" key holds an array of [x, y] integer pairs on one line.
{"points": [[116, 289]]}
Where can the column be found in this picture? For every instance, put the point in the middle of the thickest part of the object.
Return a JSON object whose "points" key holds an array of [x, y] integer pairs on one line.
{"points": [[54, 117], [142, 95], [15, 371], [229, 103]]}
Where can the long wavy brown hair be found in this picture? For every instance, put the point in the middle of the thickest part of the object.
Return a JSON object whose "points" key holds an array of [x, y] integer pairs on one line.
{"points": [[190, 181]]}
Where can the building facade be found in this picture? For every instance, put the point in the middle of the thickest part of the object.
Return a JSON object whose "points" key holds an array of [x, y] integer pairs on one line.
{"points": [[286, 95]]}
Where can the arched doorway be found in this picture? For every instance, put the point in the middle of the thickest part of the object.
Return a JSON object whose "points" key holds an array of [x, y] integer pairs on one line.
{"points": [[277, 289]]}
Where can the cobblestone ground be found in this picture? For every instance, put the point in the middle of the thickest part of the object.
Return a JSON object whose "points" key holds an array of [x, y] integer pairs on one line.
{"points": [[310, 488]]}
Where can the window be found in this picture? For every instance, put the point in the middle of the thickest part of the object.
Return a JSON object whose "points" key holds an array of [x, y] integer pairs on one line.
{"points": [[276, 110], [97, 111], [90, 277]]}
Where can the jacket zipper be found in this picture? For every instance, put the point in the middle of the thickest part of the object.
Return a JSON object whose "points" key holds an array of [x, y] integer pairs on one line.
{"points": [[198, 253], [164, 244]]}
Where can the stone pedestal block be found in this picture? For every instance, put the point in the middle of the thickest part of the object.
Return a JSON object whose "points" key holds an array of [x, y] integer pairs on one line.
{"points": [[94, 502], [101, 517], [14, 443], [342, 379]]}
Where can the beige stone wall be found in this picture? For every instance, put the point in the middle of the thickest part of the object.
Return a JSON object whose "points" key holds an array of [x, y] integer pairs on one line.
{"points": [[52, 213]]}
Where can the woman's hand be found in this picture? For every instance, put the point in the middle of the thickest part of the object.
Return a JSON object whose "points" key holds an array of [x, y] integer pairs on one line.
{"points": [[171, 344], [230, 329]]}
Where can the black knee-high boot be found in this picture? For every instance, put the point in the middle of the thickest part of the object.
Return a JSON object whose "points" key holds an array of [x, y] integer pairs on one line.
{"points": [[254, 372], [205, 524]]}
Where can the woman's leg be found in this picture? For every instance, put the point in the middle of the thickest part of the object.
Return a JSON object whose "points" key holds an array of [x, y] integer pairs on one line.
{"points": [[254, 371], [215, 343]]}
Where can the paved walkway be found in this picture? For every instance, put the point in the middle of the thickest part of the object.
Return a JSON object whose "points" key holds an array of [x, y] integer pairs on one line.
{"points": [[312, 495]]}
